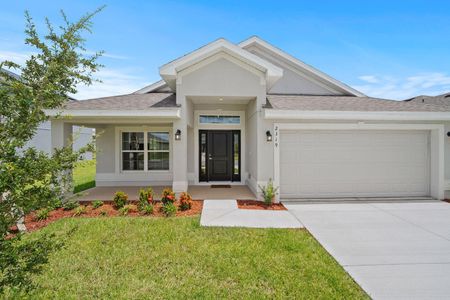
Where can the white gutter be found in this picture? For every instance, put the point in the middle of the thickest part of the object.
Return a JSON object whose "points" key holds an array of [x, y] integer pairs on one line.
{"points": [[277, 114], [154, 113]]}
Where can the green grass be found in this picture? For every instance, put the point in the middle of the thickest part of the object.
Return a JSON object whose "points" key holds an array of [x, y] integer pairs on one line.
{"points": [[84, 175], [141, 258]]}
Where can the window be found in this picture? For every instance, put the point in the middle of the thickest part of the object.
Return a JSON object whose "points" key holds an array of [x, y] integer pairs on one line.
{"points": [[158, 150], [206, 119], [145, 151], [132, 151]]}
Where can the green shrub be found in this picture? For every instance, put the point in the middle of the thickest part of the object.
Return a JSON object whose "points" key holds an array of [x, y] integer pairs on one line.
{"points": [[79, 211], [56, 204], [269, 192], [120, 199], [42, 214], [145, 197], [97, 203], [123, 211], [147, 209], [169, 209], [71, 205], [185, 201], [168, 196]]}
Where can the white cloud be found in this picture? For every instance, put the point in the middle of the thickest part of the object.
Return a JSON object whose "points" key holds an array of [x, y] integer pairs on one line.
{"points": [[390, 87], [369, 78], [114, 82]]}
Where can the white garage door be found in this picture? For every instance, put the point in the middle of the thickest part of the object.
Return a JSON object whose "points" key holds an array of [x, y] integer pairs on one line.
{"points": [[327, 164]]}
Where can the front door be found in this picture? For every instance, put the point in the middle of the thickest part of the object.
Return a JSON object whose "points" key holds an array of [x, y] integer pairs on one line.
{"points": [[219, 155]]}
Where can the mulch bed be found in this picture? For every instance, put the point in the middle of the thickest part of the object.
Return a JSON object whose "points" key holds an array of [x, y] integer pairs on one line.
{"points": [[253, 204], [110, 211]]}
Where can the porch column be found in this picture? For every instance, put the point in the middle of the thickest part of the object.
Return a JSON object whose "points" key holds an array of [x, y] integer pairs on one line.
{"points": [[179, 165], [61, 134]]}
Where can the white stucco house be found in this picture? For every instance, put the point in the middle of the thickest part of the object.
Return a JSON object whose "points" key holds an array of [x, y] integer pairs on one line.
{"points": [[242, 114]]}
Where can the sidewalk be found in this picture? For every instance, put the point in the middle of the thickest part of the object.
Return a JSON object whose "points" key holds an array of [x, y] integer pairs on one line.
{"points": [[225, 213]]}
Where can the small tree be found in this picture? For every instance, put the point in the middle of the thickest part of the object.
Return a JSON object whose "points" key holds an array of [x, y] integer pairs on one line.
{"points": [[31, 179]]}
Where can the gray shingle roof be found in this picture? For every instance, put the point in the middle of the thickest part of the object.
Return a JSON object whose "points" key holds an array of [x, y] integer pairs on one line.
{"points": [[443, 100], [127, 102], [347, 103]]}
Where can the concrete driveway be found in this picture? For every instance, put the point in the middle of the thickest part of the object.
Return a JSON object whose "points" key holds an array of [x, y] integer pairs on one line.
{"points": [[392, 250]]}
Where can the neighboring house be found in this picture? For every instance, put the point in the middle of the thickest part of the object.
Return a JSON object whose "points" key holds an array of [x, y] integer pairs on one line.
{"points": [[247, 113], [42, 140]]}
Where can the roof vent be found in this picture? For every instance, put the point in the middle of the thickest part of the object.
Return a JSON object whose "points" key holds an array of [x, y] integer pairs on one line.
{"points": [[447, 96]]}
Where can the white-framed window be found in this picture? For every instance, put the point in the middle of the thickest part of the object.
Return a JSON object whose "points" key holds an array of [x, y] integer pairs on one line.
{"points": [[145, 150], [219, 119]]}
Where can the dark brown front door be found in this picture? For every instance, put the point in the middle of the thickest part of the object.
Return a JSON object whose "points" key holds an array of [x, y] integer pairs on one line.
{"points": [[219, 155]]}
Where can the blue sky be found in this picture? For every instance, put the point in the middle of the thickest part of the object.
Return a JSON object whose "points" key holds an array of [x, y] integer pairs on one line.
{"points": [[392, 49]]}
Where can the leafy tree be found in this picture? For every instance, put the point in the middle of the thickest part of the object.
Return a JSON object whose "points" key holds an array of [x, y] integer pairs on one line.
{"points": [[31, 179]]}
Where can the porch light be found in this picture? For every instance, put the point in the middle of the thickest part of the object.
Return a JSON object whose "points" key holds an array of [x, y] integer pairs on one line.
{"points": [[178, 135], [448, 134], [268, 136]]}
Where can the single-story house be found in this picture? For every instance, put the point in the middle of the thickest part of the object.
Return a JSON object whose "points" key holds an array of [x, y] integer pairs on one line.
{"points": [[242, 114]]}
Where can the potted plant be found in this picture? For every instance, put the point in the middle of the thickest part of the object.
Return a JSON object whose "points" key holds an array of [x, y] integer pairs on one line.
{"points": [[269, 192]]}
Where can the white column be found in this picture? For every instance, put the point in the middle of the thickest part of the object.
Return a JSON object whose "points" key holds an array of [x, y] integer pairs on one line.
{"points": [[179, 165], [61, 134]]}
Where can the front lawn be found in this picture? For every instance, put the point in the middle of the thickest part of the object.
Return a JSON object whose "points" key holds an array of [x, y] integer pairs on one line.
{"points": [[84, 175], [141, 258]]}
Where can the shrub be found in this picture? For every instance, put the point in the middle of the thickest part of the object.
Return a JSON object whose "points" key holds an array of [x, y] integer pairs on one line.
{"points": [[97, 204], [42, 214], [147, 209], [56, 204], [120, 199], [123, 211], [185, 201], [71, 205], [79, 211], [145, 198], [168, 196], [169, 209], [269, 192], [103, 213]]}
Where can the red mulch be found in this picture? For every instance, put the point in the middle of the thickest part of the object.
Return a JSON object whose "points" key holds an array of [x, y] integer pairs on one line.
{"points": [[60, 213], [253, 204]]}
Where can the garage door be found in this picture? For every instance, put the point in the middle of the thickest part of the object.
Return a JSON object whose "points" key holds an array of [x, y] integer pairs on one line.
{"points": [[328, 164]]}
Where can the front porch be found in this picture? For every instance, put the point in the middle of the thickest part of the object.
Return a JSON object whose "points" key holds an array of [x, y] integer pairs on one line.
{"points": [[198, 192]]}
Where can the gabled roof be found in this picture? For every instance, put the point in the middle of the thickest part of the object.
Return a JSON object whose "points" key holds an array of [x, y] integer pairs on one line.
{"points": [[170, 70], [151, 87], [305, 68]]}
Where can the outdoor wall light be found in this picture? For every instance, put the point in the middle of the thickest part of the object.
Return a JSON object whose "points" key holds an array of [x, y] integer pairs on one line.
{"points": [[268, 136], [178, 135], [448, 133]]}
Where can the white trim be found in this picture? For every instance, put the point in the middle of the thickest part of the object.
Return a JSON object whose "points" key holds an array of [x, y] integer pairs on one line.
{"points": [[145, 129], [299, 64], [170, 70], [277, 114], [437, 186], [198, 126], [151, 87], [98, 113]]}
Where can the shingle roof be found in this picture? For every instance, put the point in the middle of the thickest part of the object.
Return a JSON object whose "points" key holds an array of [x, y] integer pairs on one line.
{"points": [[347, 103], [443, 100], [126, 102]]}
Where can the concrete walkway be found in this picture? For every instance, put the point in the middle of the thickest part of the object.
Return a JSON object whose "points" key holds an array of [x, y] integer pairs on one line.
{"points": [[225, 213], [393, 250]]}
